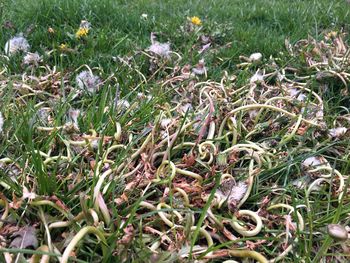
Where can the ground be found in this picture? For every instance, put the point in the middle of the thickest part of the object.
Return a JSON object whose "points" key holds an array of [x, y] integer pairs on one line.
{"points": [[174, 131]]}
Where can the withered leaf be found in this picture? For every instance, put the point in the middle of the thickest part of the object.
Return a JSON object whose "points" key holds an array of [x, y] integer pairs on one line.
{"points": [[25, 238]]}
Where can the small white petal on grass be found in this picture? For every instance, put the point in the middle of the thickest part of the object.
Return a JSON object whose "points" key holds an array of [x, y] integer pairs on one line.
{"points": [[43, 114], [204, 48], [295, 93], [144, 16], [314, 161], [337, 132], [142, 96], [87, 81], [200, 68], [27, 194], [186, 107], [232, 192], [122, 105], [255, 57], [238, 191], [73, 115], [16, 44], [257, 78], [164, 123]]}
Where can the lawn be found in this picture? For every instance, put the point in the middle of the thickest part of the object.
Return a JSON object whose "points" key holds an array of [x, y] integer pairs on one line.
{"points": [[174, 131]]}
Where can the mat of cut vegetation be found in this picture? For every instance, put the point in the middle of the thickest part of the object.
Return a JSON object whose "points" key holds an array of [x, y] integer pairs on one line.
{"points": [[173, 148]]}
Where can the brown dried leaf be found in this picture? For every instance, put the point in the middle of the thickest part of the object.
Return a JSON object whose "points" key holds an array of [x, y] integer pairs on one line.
{"points": [[24, 238]]}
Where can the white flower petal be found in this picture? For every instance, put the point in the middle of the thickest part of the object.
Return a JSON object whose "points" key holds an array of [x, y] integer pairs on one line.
{"points": [[337, 132], [314, 161], [238, 191], [255, 57], [257, 78]]}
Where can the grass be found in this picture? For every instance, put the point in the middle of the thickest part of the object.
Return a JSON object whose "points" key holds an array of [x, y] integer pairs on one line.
{"points": [[98, 178]]}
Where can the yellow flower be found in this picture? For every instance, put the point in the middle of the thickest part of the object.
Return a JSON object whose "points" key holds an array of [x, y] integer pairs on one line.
{"points": [[332, 34], [63, 47], [82, 32], [196, 20]]}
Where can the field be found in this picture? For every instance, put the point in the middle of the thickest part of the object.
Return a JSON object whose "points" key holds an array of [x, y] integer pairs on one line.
{"points": [[174, 131]]}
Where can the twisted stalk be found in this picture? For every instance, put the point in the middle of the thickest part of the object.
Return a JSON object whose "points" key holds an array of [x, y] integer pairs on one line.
{"points": [[79, 236], [242, 230]]}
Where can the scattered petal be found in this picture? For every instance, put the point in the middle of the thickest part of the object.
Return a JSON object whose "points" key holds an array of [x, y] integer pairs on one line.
{"points": [[164, 123], [314, 161], [255, 57], [295, 93], [27, 194], [337, 232], [204, 48], [257, 78], [186, 107], [337, 132], [200, 68]]}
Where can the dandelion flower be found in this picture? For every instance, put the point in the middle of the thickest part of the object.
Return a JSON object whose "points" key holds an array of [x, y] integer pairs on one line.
{"points": [[82, 32], [32, 59], [63, 47], [196, 20], [1, 122], [87, 81], [16, 44]]}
